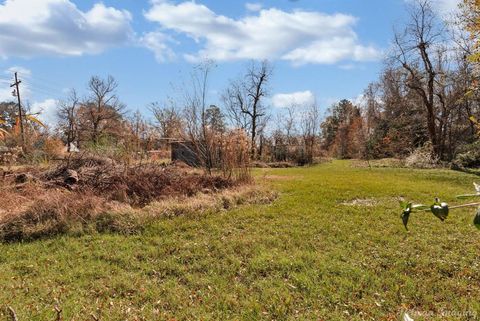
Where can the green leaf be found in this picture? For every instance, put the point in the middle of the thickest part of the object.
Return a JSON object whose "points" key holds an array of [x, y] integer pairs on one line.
{"points": [[467, 196], [420, 207], [476, 220], [440, 210], [404, 204]]}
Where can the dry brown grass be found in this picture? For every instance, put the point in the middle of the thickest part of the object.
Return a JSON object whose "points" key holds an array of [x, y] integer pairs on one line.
{"points": [[215, 202], [111, 198], [55, 213], [135, 185]]}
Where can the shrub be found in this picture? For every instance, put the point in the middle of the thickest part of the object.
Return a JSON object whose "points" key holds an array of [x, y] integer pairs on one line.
{"points": [[234, 156], [135, 185], [468, 156], [53, 148], [73, 213], [54, 213], [422, 157]]}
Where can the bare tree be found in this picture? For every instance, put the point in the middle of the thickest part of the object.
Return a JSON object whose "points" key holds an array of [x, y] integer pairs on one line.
{"points": [[102, 107], [139, 129], [244, 100], [233, 99], [310, 130], [67, 114], [196, 117], [290, 123], [414, 52], [169, 121]]}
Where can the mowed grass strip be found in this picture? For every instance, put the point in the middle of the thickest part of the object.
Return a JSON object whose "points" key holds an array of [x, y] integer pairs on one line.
{"points": [[314, 254]]}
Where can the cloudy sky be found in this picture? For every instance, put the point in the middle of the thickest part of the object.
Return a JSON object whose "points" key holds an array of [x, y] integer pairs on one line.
{"points": [[328, 49]]}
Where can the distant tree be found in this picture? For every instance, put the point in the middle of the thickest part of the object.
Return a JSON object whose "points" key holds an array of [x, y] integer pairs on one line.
{"points": [[337, 114], [195, 115], [67, 115], [400, 124], [168, 121], [342, 130], [415, 50], [8, 114], [215, 119], [471, 19], [310, 128], [244, 100], [140, 132], [102, 111], [10, 125]]}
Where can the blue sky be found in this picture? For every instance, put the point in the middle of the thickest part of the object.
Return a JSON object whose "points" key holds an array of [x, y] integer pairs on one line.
{"points": [[327, 49]]}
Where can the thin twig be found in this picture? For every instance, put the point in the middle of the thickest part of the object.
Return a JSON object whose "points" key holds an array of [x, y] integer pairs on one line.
{"points": [[59, 313], [454, 207], [95, 317], [13, 315], [465, 205]]}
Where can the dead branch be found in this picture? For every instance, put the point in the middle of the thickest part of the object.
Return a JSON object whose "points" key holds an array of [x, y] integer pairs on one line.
{"points": [[13, 315], [59, 313]]}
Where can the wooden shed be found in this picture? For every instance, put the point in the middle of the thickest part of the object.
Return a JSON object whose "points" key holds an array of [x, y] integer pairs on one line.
{"points": [[185, 152]]}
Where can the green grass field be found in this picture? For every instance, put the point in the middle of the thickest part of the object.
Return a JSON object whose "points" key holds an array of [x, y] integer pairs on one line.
{"points": [[311, 255]]}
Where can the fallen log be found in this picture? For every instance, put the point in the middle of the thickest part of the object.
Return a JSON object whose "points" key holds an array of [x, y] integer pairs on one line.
{"points": [[70, 177]]}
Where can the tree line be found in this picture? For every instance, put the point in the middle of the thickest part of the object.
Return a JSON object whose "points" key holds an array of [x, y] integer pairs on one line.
{"points": [[426, 95]]}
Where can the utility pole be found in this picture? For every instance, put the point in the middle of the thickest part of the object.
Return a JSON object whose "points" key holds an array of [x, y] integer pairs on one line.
{"points": [[20, 113]]}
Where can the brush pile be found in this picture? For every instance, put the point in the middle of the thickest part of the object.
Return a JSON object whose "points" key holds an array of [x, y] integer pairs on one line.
{"points": [[135, 185], [80, 191]]}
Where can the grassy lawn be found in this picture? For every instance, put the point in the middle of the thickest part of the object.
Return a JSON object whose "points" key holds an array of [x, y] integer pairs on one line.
{"points": [[311, 255]]}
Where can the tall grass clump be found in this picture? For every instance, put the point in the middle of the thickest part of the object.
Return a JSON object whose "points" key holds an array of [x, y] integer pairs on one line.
{"points": [[234, 156]]}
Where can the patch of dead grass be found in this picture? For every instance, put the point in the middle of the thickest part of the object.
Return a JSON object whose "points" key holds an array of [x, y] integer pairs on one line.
{"points": [[108, 197], [55, 212], [365, 202], [280, 177]]}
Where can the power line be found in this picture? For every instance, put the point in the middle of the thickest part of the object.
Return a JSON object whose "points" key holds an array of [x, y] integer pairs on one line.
{"points": [[47, 81], [42, 84], [50, 92]]}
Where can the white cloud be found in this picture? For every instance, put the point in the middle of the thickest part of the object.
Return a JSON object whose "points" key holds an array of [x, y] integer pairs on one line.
{"points": [[157, 42], [444, 8], [7, 78], [22, 71], [58, 27], [330, 51], [299, 36], [359, 101], [47, 111], [299, 98], [448, 6], [5, 92], [253, 6]]}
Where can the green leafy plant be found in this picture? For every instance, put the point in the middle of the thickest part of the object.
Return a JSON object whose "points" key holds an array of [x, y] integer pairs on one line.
{"points": [[441, 209]]}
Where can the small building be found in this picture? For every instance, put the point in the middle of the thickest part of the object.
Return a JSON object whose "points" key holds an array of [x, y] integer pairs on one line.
{"points": [[185, 151]]}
